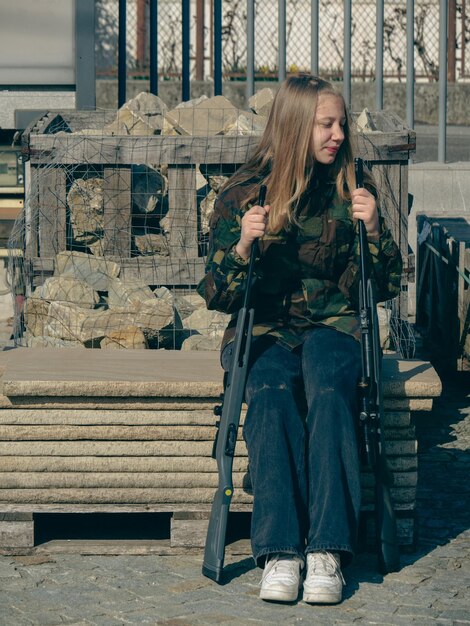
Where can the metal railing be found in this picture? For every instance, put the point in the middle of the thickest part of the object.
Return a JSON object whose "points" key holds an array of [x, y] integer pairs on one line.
{"points": [[216, 39]]}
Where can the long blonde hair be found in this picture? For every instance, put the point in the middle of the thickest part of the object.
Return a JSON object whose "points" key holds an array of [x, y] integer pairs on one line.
{"points": [[284, 158]]}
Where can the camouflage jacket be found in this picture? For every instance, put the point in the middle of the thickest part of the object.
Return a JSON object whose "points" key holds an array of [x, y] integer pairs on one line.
{"points": [[304, 276]]}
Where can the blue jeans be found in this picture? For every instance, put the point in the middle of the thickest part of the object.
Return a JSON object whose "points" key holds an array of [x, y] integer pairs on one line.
{"points": [[301, 434]]}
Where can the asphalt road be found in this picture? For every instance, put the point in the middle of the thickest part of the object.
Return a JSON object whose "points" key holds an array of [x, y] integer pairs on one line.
{"points": [[457, 145]]}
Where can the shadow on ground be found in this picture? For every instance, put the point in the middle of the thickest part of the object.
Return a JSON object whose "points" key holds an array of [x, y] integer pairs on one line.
{"points": [[443, 499]]}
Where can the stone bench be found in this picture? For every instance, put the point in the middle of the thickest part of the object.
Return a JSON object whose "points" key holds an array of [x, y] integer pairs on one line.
{"points": [[85, 431]]}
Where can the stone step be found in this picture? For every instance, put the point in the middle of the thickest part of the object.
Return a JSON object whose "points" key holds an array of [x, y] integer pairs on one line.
{"points": [[99, 403], [146, 448], [136, 433], [109, 464], [114, 431], [167, 495], [150, 417], [139, 480]]}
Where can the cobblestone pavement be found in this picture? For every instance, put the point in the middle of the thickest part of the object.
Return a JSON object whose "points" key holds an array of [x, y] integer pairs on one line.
{"points": [[433, 586]]}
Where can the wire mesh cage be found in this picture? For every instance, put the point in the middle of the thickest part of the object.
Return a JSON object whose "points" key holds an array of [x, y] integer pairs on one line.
{"points": [[114, 234], [115, 225]]}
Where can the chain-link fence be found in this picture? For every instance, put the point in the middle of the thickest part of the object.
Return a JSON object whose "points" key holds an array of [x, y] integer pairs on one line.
{"points": [[298, 31]]}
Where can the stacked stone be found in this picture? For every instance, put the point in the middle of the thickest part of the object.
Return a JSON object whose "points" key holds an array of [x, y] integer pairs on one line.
{"points": [[135, 431], [87, 304], [147, 115]]}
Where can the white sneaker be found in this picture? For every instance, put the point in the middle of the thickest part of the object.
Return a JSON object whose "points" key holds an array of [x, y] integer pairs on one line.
{"points": [[281, 578], [324, 581]]}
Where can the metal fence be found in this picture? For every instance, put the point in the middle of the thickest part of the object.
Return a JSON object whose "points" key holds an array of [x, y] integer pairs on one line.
{"points": [[298, 38], [249, 40]]}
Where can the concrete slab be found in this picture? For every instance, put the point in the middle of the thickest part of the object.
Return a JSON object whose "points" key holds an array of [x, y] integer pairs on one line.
{"points": [[81, 365], [81, 372]]}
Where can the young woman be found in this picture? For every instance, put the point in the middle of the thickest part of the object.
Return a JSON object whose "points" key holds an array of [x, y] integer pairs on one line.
{"points": [[301, 391]]}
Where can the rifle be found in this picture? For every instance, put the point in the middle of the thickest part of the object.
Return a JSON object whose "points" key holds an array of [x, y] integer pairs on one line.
{"points": [[227, 427], [371, 413]]}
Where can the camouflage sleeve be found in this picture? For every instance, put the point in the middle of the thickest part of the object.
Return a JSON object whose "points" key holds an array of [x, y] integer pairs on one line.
{"points": [[223, 285], [386, 263]]}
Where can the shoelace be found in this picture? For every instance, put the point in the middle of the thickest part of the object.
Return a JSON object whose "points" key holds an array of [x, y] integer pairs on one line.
{"points": [[325, 564], [284, 568]]}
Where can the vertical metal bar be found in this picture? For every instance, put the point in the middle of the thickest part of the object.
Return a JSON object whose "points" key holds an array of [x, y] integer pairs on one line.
{"points": [[282, 40], [347, 52], [315, 26], [217, 47], [441, 142], [141, 34], [85, 70], [410, 63], [379, 55], [200, 39], [122, 56], [211, 36], [250, 48], [185, 24], [463, 41], [154, 47], [451, 42]]}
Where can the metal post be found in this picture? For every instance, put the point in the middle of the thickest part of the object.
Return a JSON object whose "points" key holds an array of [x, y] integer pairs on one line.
{"points": [[314, 19], [250, 48], [141, 34], [282, 41], [463, 41], [217, 47], [122, 57], [154, 47], [347, 52], [441, 144], [379, 55], [410, 63], [200, 40], [452, 41], [85, 72], [185, 23]]}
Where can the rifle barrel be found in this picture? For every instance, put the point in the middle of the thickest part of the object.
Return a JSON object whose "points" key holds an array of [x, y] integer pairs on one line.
{"points": [[372, 407], [214, 552]]}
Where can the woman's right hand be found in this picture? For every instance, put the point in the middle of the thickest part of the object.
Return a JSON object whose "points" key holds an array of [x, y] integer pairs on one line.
{"points": [[254, 224]]}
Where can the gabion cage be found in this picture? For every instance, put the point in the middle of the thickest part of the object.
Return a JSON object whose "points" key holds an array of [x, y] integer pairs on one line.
{"points": [[113, 238]]}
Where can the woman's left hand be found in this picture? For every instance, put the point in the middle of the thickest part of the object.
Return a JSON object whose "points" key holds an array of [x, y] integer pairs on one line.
{"points": [[364, 207]]}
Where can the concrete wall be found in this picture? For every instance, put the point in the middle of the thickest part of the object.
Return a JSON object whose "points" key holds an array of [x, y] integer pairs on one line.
{"points": [[439, 189], [363, 95], [36, 99]]}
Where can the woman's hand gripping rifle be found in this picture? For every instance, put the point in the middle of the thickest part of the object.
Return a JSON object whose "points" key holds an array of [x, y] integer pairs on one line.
{"points": [[372, 409], [227, 428]]}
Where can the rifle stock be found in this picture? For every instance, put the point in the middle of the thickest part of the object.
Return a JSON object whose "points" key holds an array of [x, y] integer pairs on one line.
{"points": [[371, 413], [226, 438]]}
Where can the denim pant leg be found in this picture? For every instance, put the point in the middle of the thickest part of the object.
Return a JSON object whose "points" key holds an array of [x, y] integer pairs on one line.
{"points": [[274, 432], [331, 366]]}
